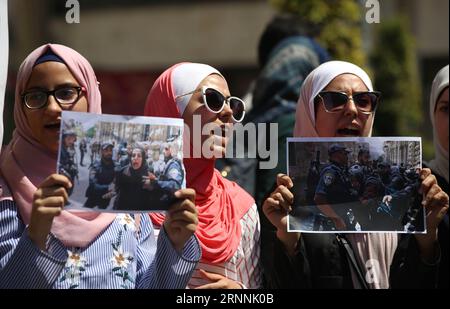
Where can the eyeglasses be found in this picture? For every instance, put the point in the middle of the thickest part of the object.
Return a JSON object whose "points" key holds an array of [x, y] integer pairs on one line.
{"points": [[215, 102], [334, 101], [65, 96]]}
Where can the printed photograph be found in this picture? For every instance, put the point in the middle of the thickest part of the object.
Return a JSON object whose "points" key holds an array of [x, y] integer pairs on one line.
{"points": [[356, 185], [121, 163]]}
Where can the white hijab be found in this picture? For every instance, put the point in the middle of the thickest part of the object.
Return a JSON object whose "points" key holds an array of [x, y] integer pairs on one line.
{"points": [[182, 85], [440, 163], [315, 82]]}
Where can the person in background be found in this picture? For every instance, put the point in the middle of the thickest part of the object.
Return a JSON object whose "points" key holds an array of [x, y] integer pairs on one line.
{"points": [[287, 53], [83, 148], [44, 246], [439, 165]]}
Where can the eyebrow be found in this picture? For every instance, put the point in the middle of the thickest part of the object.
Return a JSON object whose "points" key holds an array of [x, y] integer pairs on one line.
{"points": [[68, 84]]}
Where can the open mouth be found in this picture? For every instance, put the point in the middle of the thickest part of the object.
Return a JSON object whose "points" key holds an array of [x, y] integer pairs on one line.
{"points": [[53, 126], [348, 132]]}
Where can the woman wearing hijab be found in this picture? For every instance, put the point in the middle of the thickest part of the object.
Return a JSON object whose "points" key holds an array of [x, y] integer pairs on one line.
{"points": [[358, 260], [4, 46], [44, 246], [228, 228], [439, 120], [439, 165], [131, 184]]}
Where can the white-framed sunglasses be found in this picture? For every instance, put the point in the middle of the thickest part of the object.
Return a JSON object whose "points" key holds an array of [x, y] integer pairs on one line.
{"points": [[215, 102]]}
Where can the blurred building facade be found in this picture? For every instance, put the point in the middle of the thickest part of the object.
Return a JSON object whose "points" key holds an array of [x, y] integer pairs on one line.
{"points": [[130, 42]]}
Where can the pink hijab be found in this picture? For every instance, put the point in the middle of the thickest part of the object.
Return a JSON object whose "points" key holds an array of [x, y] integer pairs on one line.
{"points": [[220, 203], [25, 163]]}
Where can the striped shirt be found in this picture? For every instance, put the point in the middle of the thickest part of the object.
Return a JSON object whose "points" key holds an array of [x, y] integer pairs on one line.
{"points": [[119, 258], [244, 266]]}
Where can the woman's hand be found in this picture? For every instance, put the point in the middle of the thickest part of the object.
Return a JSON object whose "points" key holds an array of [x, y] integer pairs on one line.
{"points": [[48, 202], [276, 208], [435, 201], [181, 219], [218, 281]]}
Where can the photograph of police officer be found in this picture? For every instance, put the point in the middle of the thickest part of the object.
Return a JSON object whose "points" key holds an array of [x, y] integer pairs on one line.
{"points": [[101, 179], [368, 185], [67, 161], [136, 162]]}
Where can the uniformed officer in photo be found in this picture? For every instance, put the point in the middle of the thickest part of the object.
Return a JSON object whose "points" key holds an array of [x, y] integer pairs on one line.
{"points": [[101, 179], [333, 191], [171, 178], [67, 162]]}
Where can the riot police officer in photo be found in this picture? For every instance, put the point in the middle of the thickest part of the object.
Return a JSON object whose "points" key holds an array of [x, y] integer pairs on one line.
{"points": [[67, 161], [312, 179], [333, 191], [364, 162], [171, 178], [101, 179]]}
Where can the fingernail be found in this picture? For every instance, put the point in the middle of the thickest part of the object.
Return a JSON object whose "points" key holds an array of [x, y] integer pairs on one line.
{"points": [[177, 194]]}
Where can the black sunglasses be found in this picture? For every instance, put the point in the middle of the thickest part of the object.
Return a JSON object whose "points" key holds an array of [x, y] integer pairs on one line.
{"points": [[215, 102], [334, 101]]}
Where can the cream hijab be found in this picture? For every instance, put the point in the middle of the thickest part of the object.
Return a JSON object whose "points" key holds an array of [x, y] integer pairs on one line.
{"points": [[440, 163], [315, 82]]}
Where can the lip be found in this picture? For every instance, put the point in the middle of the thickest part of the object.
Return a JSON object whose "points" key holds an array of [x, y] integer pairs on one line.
{"points": [[352, 130], [52, 125]]}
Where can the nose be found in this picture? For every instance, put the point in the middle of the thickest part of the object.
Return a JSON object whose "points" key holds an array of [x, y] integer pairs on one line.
{"points": [[350, 108], [52, 105], [225, 114]]}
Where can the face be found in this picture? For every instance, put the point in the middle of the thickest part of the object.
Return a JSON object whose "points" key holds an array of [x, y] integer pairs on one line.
{"points": [[107, 153], [355, 183], [364, 158], [45, 122], [370, 191], [136, 159], [385, 170], [69, 140], [441, 119], [197, 107], [341, 157], [167, 152], [346, 123]]}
